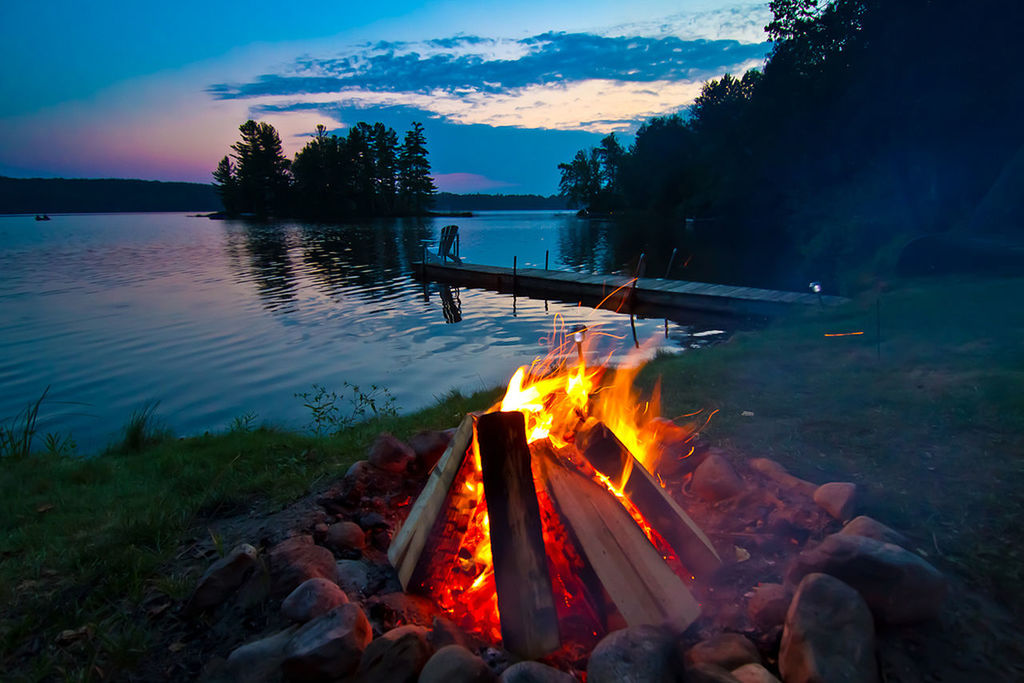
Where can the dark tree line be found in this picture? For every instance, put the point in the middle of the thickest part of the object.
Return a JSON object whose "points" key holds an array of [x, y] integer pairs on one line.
{"points": [[365, 173], [871, 120]]}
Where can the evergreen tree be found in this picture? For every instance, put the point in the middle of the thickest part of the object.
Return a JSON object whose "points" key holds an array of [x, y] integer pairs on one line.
{"points": [[227, 185], [415, 186], [261, 171], [384, 145]]}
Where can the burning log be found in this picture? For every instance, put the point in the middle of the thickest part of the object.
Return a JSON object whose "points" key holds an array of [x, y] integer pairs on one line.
{"points": [[529, 623], [644, 589], [407, 546], [611, 458]]}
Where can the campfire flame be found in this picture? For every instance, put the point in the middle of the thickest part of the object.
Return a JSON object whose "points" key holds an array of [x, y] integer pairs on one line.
{"points": [[557, 394]]}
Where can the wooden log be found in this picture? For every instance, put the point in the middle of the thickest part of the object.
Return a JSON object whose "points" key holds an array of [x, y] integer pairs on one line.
{"points": [[644, 589], [526, 603], [611, 458], [406, 549]]}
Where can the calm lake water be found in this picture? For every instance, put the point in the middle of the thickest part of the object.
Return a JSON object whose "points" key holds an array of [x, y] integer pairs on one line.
{"points": [[216, 319]]}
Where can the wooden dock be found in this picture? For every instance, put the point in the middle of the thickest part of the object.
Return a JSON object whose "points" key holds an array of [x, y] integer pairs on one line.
{"points": [[618, 291]]}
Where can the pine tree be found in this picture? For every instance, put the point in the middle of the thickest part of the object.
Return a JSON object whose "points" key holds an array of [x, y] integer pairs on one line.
{"points": [[227, 185], [415, 186], [261, 171]]}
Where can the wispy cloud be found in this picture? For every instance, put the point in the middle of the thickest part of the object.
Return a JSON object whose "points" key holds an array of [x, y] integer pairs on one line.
{"points": [[555, 80]]}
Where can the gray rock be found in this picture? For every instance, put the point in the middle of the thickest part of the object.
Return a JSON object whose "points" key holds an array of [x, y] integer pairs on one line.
{"points": [[397, 656], [898, 586], [837, 498], [715, 479], [222, 578], [444, 632], [429, 446], [353, 576], [871, 528], [638, 654], [311, 599], [296, 560], [727, 650], [754, 673], [328, 647], [259, 660], [768, 605], [534, 672], [346, 536], [455, 664], [390, 454], [708, 673], [829, 635]]}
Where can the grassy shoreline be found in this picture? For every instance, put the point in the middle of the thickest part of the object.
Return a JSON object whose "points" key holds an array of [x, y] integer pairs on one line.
{"points": [[929, 423]]}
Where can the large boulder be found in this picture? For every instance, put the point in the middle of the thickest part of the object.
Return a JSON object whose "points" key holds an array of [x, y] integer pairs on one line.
{"points": [[260, 660], [727, 650], [397, 656], [390, 454], [754, 673], [534, 672], [311, 599], [328, 647], [638, 654], [353, 576], [222, 578], [715, 479], [455, 664], [829, 636], [708, 673], [898, 586], [296, 560]]}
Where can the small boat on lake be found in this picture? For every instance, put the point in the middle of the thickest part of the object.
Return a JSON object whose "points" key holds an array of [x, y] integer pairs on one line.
{"points": [[43, 217]]}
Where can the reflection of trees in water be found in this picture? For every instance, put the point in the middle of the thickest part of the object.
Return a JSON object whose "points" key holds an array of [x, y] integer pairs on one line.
{"points": [[359, 256], [582, 246], [259, 254]]}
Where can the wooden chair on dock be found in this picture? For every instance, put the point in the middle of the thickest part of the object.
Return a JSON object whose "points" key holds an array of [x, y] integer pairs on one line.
{"points": [[448, 246]]}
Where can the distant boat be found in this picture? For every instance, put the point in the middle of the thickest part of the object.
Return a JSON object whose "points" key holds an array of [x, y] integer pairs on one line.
{"points": [[44, 217]]}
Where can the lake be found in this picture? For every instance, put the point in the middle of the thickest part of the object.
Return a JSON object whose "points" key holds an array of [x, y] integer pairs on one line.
{"points": [[218, 319]]}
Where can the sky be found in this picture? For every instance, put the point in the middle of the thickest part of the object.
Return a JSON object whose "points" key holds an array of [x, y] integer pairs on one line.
{"points": [[505, 90]]}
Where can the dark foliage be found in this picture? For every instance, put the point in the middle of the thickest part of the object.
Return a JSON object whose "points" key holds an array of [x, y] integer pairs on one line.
{"points": [[871, 122], [446, 201], [364, 173], [60, 195]]}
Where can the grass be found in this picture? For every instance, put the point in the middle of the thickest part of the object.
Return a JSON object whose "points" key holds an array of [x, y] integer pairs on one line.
{"points": [[928, 420], [84, 540]]}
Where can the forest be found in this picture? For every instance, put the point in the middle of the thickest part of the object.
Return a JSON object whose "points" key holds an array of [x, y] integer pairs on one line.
{"points": [[363, 174], [871, 122]]}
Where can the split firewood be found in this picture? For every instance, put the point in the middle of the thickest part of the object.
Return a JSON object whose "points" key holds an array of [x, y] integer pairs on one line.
{"points": [[603, 450]]}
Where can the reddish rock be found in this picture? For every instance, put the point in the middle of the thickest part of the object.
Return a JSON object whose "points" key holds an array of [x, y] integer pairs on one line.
{"points": [[428, 446], [727, 650], [444, 632], [346, 536], [716, 480], [754, 673], [871, 528], [311, 599], [829, 635], [837, 498], [779, 475], [390, 454], [297, 560], [768, 605], [222, 578], [393, 609], [637, 653], [707, 673], [397, 656], [898, 586], [328, 647], [455, 664]]}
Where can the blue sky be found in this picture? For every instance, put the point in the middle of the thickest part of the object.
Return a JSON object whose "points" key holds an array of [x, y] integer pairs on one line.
{"points": [[504, 90]]}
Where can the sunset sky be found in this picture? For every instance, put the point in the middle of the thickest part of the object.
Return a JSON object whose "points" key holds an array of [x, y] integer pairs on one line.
{"points": [[505, 90]]}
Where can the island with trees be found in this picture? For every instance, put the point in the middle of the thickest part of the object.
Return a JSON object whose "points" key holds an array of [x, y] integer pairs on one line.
{"points": [[363, 174]]}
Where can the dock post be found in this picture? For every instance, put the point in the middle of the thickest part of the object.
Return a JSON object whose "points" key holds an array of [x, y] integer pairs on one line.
{"points": [[671, 260], [457, 241], [545, 259], [641, 265], [515, 273]]}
